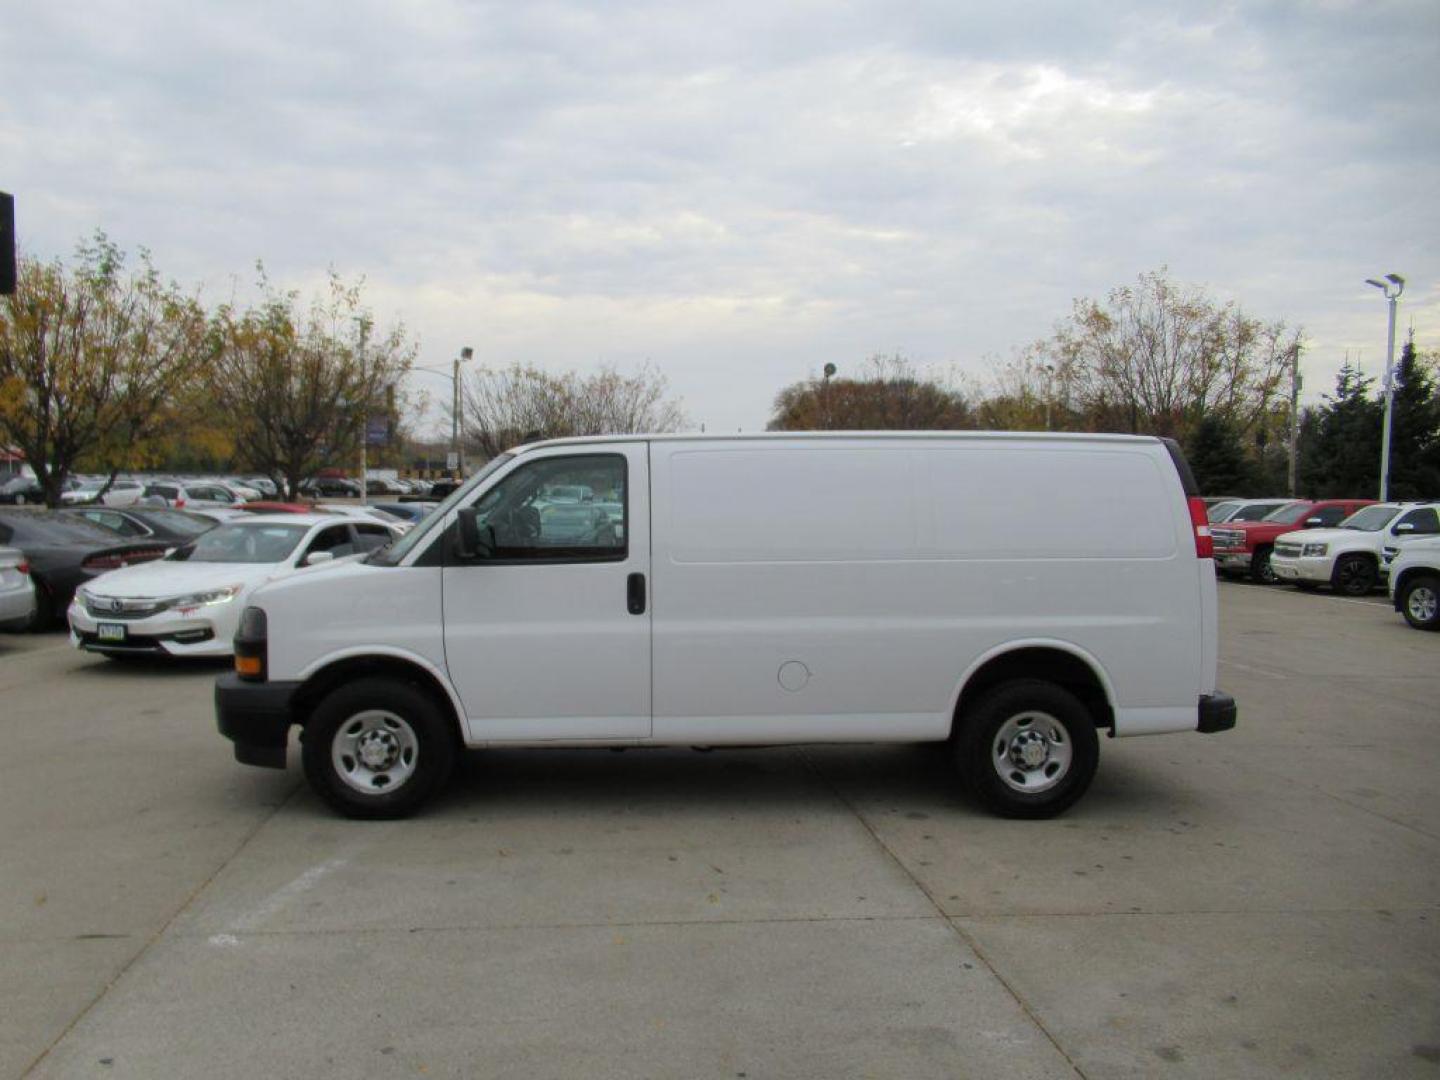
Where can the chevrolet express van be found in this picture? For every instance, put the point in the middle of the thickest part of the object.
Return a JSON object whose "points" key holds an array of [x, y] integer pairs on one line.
{"points": [[1010, 594]]}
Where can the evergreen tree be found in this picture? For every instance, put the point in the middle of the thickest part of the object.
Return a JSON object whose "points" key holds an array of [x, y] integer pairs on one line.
{"points": [[1217, 458], [1344, 458], [1414, 430]]}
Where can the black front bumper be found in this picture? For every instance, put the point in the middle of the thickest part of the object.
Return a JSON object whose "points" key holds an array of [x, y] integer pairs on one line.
{"points": [[256, 717], [1217, 713]]}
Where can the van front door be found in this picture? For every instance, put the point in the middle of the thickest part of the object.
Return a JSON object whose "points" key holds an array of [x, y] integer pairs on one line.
{"points": [[547, 624]]}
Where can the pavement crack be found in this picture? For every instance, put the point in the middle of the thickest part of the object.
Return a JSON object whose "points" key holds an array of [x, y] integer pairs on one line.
{"points": [[160, 932], [959, 931]]}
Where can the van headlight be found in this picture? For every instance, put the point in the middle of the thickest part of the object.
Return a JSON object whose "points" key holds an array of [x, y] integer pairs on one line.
{"points": [[210, 596], [1315, 551]]}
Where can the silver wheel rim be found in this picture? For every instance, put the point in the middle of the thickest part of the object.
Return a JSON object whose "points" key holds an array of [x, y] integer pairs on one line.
{"points": [[1031, 752], [1422, 603], [375, 752]]}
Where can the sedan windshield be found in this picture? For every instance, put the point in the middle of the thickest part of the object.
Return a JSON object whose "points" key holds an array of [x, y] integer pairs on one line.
{"points": [[243, 543], [1371, 519]]}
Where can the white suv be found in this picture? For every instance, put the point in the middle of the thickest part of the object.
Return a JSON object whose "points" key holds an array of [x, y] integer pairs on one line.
{"points": [[1349, 557], [1415, 583]]}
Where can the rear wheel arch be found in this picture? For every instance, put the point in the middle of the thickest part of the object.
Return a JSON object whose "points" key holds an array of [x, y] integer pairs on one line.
{"points": [[1074, 672]]}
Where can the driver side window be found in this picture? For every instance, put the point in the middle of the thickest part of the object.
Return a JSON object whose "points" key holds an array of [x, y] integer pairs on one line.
{"points": [[559, 509]]}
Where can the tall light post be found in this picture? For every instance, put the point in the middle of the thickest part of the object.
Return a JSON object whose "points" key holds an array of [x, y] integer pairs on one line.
{"points": [[1392, 287], [466, 353], [364, 321], [1292, 471]]}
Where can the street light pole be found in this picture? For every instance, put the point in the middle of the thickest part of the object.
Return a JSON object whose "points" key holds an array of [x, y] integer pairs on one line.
{"points": [[1397, 283], [364, 322], [1293, 476], [465, 354]]}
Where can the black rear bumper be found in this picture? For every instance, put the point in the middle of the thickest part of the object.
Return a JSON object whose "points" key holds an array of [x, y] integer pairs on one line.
{"points": [[256, 717], [1217, 713]]}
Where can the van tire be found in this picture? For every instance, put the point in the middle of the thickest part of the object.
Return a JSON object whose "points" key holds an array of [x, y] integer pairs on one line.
{"points": [[411, 740], [996, 730]]}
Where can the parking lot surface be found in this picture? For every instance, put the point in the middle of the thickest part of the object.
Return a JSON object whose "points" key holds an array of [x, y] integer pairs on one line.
{"points": [[1263, 902]]}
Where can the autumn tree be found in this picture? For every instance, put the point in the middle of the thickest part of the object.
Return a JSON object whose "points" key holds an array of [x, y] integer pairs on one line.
{"points": [[888, 396], [93, 358], [295, 382], [507, 406], [1157, 357]]}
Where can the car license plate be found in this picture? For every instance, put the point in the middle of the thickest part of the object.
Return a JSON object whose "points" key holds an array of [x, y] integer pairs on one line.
{"points": [[110, 631]]}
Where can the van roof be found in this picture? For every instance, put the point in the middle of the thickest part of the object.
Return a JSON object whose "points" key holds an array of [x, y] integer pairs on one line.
{"points": [[808, 436]]}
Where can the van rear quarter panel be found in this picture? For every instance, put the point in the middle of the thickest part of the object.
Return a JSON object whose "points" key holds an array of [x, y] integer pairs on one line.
{"points": [[840, 589]]}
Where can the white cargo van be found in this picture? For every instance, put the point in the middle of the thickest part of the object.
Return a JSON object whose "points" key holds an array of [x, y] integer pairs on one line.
{"points": [[1011, 594]]}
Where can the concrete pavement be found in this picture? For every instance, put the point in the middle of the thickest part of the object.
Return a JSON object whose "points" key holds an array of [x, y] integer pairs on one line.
{"points": [[1257, 903]]}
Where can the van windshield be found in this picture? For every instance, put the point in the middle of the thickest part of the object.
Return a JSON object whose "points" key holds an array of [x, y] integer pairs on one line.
{"points": [[392, 554]]}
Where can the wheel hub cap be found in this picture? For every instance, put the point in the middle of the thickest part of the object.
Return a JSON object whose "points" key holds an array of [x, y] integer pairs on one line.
{"points": [[1032, 752], [378, 749], [1029, 750], [375, 751]]}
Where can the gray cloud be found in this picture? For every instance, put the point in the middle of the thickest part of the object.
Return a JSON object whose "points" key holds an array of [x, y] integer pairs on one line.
{"points": [[742, 192]]}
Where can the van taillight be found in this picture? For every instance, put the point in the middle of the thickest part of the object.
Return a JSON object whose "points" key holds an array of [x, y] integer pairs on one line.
{"points": [[1200, 520]]}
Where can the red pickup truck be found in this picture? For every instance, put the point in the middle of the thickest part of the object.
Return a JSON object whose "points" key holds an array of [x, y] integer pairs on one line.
{"points": [[1243, 547]]}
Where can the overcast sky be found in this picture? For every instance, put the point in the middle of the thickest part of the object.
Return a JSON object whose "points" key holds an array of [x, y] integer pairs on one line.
{"points": [[739, 193]]}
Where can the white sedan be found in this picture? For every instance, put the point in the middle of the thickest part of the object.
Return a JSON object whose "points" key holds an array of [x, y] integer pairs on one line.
{"points": [[189, 603]]}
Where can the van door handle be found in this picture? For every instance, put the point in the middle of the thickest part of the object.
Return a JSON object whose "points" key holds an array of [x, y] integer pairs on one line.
{"points": [[635, 594]]}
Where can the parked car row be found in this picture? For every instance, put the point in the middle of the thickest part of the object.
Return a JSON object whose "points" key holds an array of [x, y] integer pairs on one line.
{"points": [[63, 551], [188, 603], [209, 491], [1349, 545], [59, 551]]}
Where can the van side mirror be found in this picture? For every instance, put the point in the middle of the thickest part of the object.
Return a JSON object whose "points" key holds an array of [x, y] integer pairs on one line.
{"points": [[472, 541], [1310, 523]]}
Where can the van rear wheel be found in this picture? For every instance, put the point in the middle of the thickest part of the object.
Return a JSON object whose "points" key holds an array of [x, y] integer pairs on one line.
{"points": [[377, 748], [1027, 749]]}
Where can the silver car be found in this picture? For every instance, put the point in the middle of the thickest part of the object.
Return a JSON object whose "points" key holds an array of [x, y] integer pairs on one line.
{"points": [[17, 591]]}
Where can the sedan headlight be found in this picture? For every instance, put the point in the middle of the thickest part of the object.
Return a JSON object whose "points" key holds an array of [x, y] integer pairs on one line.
{"points": [[210, 596]]}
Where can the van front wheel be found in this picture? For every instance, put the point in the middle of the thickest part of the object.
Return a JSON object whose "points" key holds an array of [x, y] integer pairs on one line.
{"points": [[377, 748], [1027, 749]]}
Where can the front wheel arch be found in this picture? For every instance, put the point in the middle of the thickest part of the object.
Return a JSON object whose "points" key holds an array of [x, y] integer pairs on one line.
{"points": [[321, 683]]}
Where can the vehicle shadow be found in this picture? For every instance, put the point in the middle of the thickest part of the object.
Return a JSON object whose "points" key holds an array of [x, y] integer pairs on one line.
{"points": [[869, 779]]}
